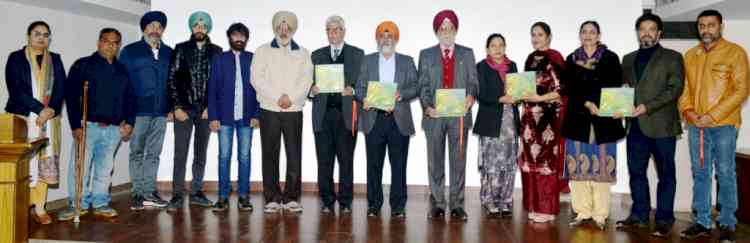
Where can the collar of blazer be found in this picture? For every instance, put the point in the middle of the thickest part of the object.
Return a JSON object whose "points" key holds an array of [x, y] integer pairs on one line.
{"points": [[649, 66]]}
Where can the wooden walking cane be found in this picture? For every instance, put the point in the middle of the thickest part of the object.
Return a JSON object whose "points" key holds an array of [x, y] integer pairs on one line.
{"points": [[81, 153]]}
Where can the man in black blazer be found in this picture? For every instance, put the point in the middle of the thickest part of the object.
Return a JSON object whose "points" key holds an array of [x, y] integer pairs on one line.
{"points": [[657, 74], [334, 118]]}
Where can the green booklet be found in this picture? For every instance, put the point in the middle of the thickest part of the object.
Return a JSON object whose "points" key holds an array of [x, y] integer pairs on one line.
{"points": [[329, 78], [450, 102], [615, 100], [520, 85], [381, 95]]}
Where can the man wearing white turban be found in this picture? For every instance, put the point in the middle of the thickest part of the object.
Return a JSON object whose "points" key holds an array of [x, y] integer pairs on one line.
{"points": [[281, 73]]}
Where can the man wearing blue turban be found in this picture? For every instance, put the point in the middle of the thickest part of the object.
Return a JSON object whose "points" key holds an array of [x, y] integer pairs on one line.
{"points": [[147, 64], [186, 89]]}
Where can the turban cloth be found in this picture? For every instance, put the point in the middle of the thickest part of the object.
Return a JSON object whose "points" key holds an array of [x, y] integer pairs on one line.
{"points": [[198, 17], [152, 16], [441, 16], [285, 16], [387, 26]]}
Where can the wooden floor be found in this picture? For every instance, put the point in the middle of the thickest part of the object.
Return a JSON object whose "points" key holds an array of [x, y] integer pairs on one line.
{"points": [[202, 225]]}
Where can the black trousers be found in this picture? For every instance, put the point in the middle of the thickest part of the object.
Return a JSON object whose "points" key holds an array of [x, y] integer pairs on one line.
{"points": [[182, 132], [274, 125], [385, 135], [334, 142]]}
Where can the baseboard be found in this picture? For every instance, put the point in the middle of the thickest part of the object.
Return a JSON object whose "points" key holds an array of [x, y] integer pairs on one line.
{"points": [[257, 186], [309, 187]]}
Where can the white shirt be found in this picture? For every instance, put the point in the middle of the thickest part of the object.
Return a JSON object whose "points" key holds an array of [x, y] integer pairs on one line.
{"points": [[334, 48], [237, 88], [156, 53], [387, 68]]}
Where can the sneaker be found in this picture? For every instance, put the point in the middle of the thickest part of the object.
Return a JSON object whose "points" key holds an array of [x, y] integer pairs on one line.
{"points": [[630, 222], [373, 212], [460, 214], [436, 213], [345, 210], [272, 207], [326, 210], [175, 203], [69, 213], [398, 214], [153, 200], [506, 213], [200, 200], [221, 205], [244, 204], [136, 203], [493, 212], [105, 211], [293, 207], [695, 231], [662, 230], [726, 235]]}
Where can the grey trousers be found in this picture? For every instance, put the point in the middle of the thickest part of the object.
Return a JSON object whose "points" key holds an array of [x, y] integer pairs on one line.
{"points": [[446, 127]]}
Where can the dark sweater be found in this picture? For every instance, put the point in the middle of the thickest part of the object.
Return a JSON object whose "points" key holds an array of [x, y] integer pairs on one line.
{"points": [[642, 58], [491, 88], [111, 97], [583, 85]]}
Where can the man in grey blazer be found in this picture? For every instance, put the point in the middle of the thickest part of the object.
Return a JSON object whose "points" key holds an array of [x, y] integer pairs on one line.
{"points": [[389, 129], [334, 119], [657, 74], [452, 66]]}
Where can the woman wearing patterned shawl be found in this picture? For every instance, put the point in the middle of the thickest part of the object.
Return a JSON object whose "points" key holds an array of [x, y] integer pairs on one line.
{"points": [[34, 77], [540, 154], [590, 139]]}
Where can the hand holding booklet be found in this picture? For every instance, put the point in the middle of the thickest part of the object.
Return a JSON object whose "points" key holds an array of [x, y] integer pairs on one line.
{"points": [[381, 95], [329, 78], [450, 102]]}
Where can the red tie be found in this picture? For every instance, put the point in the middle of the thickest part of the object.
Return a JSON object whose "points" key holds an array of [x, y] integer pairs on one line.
{"points": [[446, 53]]}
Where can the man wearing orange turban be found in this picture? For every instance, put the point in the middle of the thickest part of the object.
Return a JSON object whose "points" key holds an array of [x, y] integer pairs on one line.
{"points": [[387, 26], [446, 66], [387, 128]]}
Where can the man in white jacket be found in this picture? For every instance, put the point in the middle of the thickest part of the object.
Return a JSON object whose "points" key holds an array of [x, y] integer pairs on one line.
{"points": [[282, 74]]}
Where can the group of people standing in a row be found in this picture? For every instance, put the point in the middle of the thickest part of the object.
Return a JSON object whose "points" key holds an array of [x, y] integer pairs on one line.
{"points": [[557, 136]]}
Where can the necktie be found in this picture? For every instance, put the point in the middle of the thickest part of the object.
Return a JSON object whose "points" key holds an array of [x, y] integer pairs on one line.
{"points": [[336, 53]]}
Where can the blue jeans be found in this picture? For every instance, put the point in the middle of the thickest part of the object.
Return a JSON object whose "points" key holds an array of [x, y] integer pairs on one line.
{"points": [[719, 146], [100, 149], [145, 149], [244, 140], [640, 149]]}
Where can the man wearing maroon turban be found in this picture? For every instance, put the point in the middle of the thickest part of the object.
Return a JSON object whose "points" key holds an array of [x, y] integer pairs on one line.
{"points": [[446, 66]]}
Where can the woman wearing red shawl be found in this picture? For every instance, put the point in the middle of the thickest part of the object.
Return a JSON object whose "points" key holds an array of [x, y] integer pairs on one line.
{"points": [[497, 127], [542, 151]]}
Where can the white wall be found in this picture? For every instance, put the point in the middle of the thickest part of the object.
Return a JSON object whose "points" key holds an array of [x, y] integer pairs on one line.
{"points": [[734, 31], [73, 36], [477, 19]]}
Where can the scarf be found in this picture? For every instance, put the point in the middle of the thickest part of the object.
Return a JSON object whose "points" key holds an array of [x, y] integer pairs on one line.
{"points": [[589, 62], [44, 75], [501, 68]]}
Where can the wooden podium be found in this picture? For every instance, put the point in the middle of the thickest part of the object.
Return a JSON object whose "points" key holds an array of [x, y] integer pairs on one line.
{"points": [[14, 179], [743, 185]]}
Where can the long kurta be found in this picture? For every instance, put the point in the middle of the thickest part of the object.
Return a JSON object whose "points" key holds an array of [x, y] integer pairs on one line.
{"points": [[542, 146]]}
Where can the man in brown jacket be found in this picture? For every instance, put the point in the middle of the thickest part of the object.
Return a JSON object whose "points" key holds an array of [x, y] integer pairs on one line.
{"points": [[711, 103]]}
